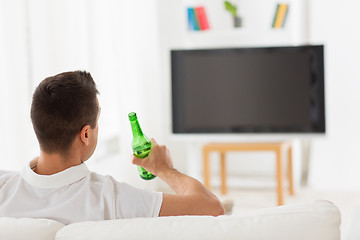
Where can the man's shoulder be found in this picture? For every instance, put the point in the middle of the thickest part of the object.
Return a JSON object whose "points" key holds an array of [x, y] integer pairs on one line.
{"points": [[7, 173], [107, 180], [97, 178], [5, 176]]}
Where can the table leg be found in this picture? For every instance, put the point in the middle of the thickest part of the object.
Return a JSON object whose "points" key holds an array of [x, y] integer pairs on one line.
{"points": [[223, 173], [206, 168], [279, 176], [290, 172]]}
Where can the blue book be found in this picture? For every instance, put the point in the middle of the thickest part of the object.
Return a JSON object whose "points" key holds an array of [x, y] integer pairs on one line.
{"points": [[193, 25]]}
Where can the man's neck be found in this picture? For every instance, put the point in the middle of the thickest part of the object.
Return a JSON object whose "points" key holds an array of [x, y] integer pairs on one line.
{"points": [[49, 164]]}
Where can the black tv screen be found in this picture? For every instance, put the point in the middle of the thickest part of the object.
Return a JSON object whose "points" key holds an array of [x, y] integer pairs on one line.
{"points": [[248, 90]]}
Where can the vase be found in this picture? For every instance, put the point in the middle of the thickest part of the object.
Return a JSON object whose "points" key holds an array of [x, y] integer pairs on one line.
{"points": [[237, 22]]}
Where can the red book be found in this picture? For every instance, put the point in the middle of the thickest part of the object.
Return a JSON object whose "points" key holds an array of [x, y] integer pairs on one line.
{"points": [[202, 18]]}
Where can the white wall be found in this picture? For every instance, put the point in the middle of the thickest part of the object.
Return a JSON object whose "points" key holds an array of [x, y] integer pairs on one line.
{"points": [[335, 160]]}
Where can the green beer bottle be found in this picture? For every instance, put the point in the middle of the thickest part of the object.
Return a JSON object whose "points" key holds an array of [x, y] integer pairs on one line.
{"points": [[140, 145]]}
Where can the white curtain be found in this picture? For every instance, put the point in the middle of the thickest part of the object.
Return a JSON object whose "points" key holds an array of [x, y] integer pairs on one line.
{"points": [[14, 80], [115, 40]]}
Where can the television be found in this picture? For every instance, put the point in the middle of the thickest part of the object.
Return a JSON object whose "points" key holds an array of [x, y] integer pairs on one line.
{"points": [[248, 90]]}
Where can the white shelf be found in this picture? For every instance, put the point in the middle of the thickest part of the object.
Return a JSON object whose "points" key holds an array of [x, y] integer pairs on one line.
{"points": [[239, 38], [256, 30], [226, 32]]}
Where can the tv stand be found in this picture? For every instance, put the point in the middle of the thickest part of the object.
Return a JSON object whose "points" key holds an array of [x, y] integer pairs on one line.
{"points": [[223, 148]]}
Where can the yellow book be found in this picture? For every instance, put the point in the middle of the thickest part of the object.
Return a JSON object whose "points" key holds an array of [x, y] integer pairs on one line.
{"points": [[280, 15]]}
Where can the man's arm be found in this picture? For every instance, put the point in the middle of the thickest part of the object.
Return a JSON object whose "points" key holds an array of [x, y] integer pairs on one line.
{"points": [[191, 197]]}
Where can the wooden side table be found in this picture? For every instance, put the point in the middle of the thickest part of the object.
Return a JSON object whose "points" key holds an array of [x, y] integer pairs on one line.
{"points": [[277, 147]]}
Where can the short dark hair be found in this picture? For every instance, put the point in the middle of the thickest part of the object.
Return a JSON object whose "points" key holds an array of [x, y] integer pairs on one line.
{"points": [[61, 106]]}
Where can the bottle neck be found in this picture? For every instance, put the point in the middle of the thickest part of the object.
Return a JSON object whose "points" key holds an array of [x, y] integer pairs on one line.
{"points": [[136, 129]]}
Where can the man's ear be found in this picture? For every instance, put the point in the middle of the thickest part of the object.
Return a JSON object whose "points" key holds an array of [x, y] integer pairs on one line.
{"points": [[85, 134]]}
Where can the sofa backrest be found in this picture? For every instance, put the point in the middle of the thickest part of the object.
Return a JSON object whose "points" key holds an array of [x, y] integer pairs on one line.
{"points": [[318, 220], [29, 229]]}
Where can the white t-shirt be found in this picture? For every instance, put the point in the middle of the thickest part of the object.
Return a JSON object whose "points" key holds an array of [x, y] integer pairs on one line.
{"points": [[73, 195]]}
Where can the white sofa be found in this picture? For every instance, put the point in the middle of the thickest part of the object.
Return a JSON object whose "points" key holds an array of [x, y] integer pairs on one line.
{"points": [[318, 220]]}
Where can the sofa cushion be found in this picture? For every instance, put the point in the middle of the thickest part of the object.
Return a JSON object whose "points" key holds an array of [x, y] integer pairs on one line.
{"points": [[311, 221], [28, 228], [354, 230]]}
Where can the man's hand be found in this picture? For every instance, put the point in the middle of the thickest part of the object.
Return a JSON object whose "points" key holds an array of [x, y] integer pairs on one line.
{"points": [[159, 159], [191, 197]]}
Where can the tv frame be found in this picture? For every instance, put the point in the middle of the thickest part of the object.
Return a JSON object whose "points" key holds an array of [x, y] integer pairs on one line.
{"points": [[235, 134]]}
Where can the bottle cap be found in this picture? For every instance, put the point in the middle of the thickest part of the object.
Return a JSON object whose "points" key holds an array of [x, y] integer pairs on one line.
{"points": [[132, 116]]}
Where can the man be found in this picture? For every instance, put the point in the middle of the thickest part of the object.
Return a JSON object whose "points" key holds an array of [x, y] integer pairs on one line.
{"points": [[58, 185]]}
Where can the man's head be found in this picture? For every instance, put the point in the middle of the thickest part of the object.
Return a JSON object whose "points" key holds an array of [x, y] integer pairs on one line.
{"points": [[64, 106]]}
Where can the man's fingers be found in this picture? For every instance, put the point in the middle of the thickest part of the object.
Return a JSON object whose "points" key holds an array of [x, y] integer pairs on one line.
{"points": [[154, 142], [135, 160]]}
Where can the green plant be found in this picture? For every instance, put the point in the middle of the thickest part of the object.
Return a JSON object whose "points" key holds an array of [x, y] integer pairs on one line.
{"points": [[231, 8]]}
